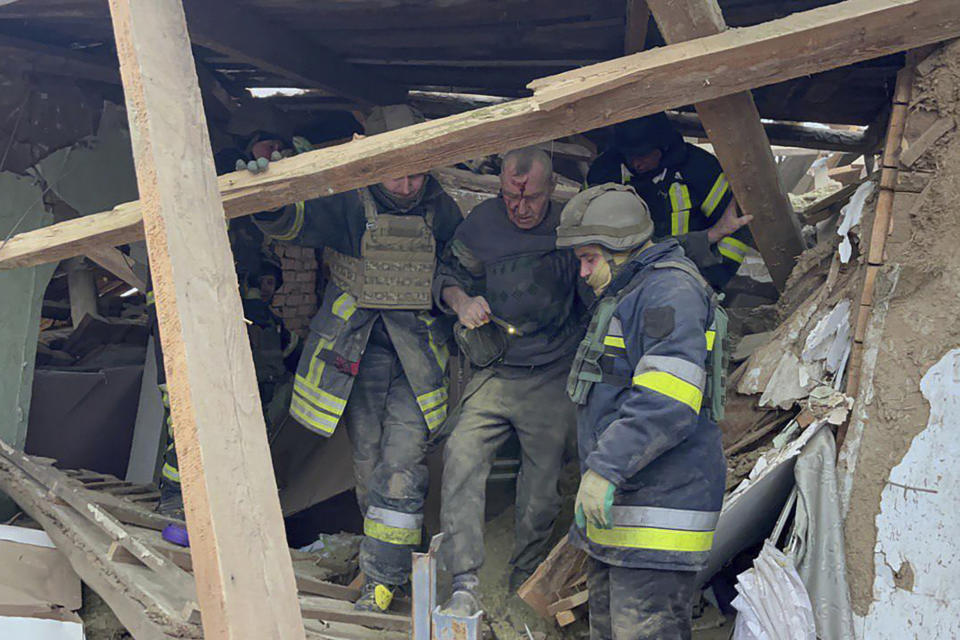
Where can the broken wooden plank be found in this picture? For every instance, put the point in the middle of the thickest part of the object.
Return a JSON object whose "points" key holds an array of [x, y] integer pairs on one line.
{"points": [[541, 590], [315, 608], [114, 261], [602, 94], [733, 126], [244, 575], [570, 602], [566, 618]]}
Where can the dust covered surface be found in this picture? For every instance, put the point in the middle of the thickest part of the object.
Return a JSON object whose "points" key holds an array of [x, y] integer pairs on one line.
{"points": [[922, 322], [99, 622]]}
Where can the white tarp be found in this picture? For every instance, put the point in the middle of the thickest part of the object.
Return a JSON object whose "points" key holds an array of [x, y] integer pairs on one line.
{"points": [[772, 603]]}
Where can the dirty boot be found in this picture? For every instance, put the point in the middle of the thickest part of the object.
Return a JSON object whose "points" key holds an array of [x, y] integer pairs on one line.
{"points": [[517, 577], [375, 596], [464, 601], [171, 500]]}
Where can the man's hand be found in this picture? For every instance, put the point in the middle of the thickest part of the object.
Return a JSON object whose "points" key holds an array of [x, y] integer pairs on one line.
{"points": [[729, 222], [594, 501], [473, 312]]}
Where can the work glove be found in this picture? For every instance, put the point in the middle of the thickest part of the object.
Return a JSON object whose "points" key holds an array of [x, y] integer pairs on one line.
{"points": [[594, 501]]}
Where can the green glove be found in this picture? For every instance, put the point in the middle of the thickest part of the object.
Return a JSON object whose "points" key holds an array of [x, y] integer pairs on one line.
{"points": [[594, 501]]}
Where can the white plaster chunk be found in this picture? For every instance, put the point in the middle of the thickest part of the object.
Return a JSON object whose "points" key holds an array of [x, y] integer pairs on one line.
{"points": [[791, 381], [916, 591], [850, 216]]}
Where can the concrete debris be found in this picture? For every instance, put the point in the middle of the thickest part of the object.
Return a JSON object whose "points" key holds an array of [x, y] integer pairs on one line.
{"points": [[826, 403]]}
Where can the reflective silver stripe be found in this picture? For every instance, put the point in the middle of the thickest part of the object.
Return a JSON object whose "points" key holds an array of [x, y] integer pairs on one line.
{"points": [[664, 518], [395, 519], [615, 328], [683, 369]]}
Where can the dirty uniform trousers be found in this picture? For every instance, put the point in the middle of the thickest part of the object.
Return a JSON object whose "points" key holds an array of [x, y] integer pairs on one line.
{"points": [[639, 604], [388, 434], [533, 402]]}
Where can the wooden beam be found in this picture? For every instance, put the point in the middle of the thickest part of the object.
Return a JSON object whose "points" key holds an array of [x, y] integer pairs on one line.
{"points": [[637, 85], [733, 126], [789, 134], [247, 36], [114, 261], [635, 32], [244, 575]]}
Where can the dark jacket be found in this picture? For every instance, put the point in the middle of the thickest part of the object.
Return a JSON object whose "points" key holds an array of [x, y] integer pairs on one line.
{"points": [[340, 330], [687, 194], [527, 281], [642, 427]]}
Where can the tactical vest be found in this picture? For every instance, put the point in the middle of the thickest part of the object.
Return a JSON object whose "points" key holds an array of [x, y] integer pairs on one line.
{"points": [[396, 263], [589, 368]]}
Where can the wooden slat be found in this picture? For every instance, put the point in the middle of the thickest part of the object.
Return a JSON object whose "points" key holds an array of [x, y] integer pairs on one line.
{"points": [[733, 126], [635, 31], [637, 85], [570, 602], [244, 575]]}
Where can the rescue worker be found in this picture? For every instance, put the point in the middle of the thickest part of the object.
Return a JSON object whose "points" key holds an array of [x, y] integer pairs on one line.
{"points": [[377, 354], [275, 351], [685, 189], [504, 277], [651, 457]]}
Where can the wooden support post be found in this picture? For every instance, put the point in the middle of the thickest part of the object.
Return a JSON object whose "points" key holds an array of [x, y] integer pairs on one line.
{"points": [[244, 575], [635, 32], [738, 137]]}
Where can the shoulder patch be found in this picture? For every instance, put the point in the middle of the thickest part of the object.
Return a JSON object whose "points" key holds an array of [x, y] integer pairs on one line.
{"points": [[658, 322]]}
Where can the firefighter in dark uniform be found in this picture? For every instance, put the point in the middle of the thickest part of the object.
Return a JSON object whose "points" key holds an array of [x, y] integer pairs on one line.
{"points": [[686, 190], [651, 455], [376, 356]]}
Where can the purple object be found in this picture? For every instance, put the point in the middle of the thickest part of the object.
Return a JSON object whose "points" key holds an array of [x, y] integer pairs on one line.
{"points": [[176, 534]]}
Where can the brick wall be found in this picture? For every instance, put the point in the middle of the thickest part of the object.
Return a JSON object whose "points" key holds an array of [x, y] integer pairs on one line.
{"points": [[296, 300]]}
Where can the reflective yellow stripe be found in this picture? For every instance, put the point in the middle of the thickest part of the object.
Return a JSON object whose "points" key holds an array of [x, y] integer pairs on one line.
{"points": [[344, 306], [318, 397], [720, 188], [316, 364], [652, 538], [733, 249], [170, 472], [393, 535], [297, 226], [436, 417], [150, 298], [428, 401], [711, 336], [440, 352], [310, 417], [680, 206], [614, 341], [671, 386]]}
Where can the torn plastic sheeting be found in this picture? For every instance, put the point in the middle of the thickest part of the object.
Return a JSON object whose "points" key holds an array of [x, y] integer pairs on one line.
{"points": [[751, 509], [850, 216], [773, 603]]}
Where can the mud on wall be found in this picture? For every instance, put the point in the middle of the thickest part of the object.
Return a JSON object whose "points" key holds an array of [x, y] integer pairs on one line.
{"points": [[921, 324]]}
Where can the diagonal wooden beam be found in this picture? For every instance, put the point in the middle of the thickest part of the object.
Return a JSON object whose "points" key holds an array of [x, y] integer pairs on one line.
{"points": [[630, 87], [733, 126], [244, 575], [245, 35], [635, 33]]}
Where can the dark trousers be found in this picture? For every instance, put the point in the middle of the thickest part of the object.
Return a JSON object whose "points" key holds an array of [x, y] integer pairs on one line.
{"points": [[389, 435], [534, 404], [636, 604]]}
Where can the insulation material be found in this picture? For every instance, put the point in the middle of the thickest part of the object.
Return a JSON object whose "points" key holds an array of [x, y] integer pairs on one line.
{"points": [[772, 601], [850, 216], [21, 290], [916, 592], [816, 539]]}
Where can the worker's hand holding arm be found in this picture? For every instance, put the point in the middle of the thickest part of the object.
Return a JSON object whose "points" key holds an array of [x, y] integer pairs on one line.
{"points": [[730, 222], [666, 346]]}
